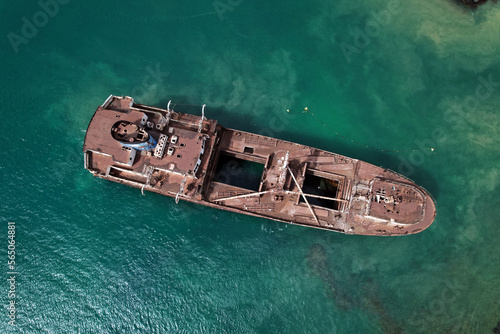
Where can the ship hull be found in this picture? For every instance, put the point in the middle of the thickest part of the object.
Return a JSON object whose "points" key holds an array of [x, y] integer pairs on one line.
{"points": [[200, 161]]}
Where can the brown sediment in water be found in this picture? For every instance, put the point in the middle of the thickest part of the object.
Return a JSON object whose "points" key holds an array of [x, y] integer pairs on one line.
{"points": [[369, 299], [317, 260], [372, 303]]}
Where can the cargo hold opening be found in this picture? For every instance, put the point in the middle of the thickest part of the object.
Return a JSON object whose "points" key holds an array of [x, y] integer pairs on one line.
{"points": [[238, 172], [320, 186]]}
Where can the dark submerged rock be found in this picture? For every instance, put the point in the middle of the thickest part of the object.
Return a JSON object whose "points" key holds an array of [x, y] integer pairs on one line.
{"points": [[496, 330], [472, 3]]}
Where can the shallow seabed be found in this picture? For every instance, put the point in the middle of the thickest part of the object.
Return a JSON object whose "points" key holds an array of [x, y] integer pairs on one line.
{"points": [[97, 257]]}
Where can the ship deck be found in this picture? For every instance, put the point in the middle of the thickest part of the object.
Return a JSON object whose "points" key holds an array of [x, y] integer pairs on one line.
{"points": [[198, 160]]}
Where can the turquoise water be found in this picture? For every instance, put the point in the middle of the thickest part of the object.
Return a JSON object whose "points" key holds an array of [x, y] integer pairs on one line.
{"points": [[97, 257]]}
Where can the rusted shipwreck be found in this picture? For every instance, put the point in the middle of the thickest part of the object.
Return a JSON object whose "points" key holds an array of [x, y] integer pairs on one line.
{"points": [[181, 155]]}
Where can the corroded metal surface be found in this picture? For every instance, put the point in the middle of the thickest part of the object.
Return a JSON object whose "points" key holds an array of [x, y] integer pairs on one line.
{"points": [[299, 184]]}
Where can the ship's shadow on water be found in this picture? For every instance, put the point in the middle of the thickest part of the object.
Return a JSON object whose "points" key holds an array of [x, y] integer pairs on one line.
{"points": [[396, 161], [357, 295]]}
